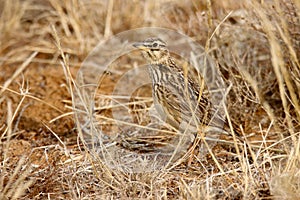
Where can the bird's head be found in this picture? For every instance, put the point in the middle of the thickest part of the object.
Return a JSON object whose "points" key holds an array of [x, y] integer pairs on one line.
{"points": [[154, 50]]}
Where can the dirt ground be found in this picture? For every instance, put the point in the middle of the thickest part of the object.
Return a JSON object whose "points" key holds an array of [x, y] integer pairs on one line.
{"points": [[41, 153]]}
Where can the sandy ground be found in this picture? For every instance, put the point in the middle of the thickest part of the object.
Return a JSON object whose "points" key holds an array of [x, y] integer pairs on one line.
{"points": [[42, 156]]}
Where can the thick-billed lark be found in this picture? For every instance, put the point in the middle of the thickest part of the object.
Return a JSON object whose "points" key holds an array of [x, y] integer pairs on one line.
{"points": [[181, 99]]}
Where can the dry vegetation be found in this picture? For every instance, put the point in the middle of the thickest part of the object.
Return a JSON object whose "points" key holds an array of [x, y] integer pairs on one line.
{"points": [[257, 48]]}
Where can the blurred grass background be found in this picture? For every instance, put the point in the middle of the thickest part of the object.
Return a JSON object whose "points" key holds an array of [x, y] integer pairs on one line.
{"points": [[256, 45]]}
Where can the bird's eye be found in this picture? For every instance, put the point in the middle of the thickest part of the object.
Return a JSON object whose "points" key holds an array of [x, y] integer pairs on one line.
{"points": [[155, 44]]}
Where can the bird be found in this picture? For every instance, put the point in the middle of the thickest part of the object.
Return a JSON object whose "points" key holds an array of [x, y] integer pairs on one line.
{"points": [[180, 98]]}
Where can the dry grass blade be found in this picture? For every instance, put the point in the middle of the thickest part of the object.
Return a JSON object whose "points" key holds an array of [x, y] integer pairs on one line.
{"points": [[43, 44], [18, 72], [18, 183]]}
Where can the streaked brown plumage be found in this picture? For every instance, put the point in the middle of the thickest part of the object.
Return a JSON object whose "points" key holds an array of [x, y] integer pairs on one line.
{"points": [[182, 100]]}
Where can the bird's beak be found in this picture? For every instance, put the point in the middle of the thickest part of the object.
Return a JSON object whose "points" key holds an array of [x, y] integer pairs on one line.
{"points": [[139, 45]]}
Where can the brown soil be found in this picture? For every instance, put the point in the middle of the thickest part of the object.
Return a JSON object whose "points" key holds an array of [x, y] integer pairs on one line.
{"points": [[41, 154]]}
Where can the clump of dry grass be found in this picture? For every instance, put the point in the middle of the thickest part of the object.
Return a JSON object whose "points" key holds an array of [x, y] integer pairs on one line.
{"points": [[257, 50]]}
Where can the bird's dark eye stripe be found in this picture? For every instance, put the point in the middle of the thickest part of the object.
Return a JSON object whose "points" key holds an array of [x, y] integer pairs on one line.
{"points": [[155, 45], [150, 45]]}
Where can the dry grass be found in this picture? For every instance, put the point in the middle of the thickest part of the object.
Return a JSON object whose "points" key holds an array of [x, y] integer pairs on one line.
{"points": [[43, 43]]}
